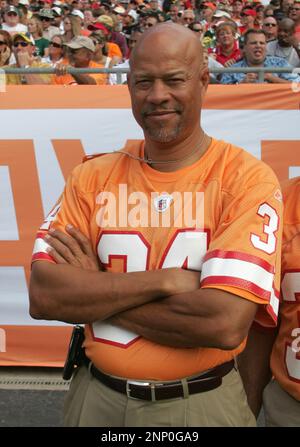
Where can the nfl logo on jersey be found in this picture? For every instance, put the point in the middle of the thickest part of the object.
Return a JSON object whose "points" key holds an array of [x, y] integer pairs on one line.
{"points": [[162, 202]]}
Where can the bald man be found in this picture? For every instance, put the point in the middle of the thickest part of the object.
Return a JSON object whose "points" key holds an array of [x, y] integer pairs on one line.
{"points": [[166, 250], [286, 46]]}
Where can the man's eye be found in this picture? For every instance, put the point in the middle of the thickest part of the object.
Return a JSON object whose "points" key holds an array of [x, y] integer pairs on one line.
{"points": [[143, 83]]}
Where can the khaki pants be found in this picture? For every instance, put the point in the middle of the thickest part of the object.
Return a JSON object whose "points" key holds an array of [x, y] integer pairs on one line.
{"points": [[281, 409], [91, 404]]}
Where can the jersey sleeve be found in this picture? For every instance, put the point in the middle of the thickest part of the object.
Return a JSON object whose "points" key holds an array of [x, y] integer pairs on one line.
{"points": [[71, 208], [244, 253]]}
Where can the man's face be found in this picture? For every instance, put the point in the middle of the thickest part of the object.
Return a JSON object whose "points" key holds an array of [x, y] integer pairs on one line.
{"points": [[285, 35], [173, 13], [286, 4], [188, 17], [255, 49], [237, 7], [247, 20], [150, 22], [166, 91], [46, 22], [270, 27], [11, 18], [80, 57], [294, 11], [153, 5], [20, 45]]}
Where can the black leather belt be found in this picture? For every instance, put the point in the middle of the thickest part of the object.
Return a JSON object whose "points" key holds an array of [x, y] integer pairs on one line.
{"points": [[153, 391]]}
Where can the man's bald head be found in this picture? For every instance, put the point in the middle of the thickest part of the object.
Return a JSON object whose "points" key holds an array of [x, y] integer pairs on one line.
{"points": [[287, 24], [167, 83], [169, 39]]}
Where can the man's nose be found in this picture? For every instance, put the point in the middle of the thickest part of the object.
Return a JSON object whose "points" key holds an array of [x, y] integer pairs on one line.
{"points": [[159, 92]]}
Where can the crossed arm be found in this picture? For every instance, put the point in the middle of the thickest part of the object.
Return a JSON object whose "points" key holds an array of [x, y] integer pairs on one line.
{"points": [[165, 306]]}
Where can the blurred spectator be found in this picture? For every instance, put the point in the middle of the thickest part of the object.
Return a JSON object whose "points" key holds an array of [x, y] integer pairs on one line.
{"points": [[154, 6], [285, 46], [56, 52], [24, 48], [173, 13], [237, 6], [211, 63], [260, 9], [294, 14], [101, 50], [114, 51], [248, 17], [57, 17], [227, 50], [88, 17], [188, 17], [269, 11], [113, 36], [207, 10], [270, 28], [5, 48], [72, 28], [46, 16], [80, 54], [150, 20], [197, 27], [25, 14], [35, 29], [285, 6], [255, 55], [11, 21]]}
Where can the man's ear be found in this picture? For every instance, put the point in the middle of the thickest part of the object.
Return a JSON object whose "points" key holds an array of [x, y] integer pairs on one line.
{"points": [[204, 79]]}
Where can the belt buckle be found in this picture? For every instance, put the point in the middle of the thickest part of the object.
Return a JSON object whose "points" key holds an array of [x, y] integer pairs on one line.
{"points": [[132, 382]]}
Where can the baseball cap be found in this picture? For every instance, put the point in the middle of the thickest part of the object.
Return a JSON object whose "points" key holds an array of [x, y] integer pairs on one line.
{"points": [[57, 11], [106, 20], [24, 2], [12, 9], [77, 13], [25, 36], [220, 13], [209, 5], [81, 42], [119, 10], [98, 27], [249, 12], [46, 13]]}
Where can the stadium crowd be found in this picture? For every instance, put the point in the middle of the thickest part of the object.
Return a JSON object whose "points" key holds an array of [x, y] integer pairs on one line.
{"points": [[101, 34]]}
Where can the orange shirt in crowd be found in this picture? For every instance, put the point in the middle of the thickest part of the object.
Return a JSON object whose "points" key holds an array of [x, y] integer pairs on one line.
{"points": [[100, 78]]}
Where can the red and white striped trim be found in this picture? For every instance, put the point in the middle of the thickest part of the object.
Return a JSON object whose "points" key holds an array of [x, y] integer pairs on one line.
{"points": [[242, 271], [40, 248]]}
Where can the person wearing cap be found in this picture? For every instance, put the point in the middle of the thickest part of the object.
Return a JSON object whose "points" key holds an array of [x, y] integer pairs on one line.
{"points": [[46, 16], [24, 48], [207, 10], [57, 17], [11, 21], [117, 45], [248, 16], [80, 55], [285, 46], [255, 55], [187, 17]]}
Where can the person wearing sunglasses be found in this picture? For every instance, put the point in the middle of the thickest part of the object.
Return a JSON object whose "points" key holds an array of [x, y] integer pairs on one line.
{"points": [[46, 16], [56, 52], [12, 21], [270, 27], [24, 51]]}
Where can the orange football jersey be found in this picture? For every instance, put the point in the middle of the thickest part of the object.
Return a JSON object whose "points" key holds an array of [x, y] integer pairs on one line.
{"points": [[285, 360], [220, 216]]}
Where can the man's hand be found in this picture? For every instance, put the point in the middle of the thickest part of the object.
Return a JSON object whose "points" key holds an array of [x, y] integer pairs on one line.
{"points": [[229, 62], [61, 69], [250, 78], [24, 59], [4, 54], [73, 248]]}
